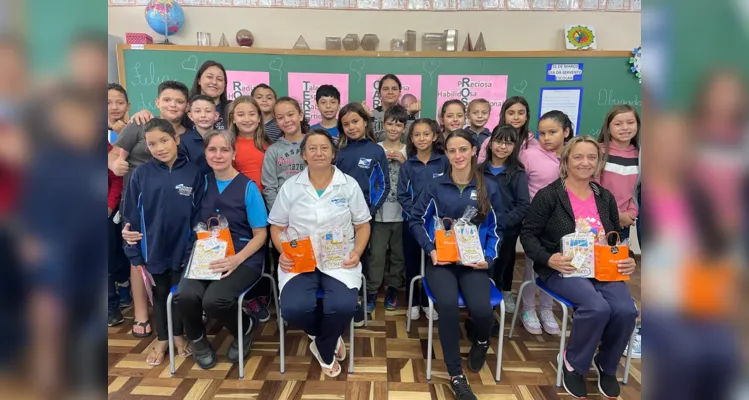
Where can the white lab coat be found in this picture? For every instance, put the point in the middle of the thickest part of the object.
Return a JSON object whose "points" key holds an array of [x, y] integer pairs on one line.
{"points": [[298, 206]]}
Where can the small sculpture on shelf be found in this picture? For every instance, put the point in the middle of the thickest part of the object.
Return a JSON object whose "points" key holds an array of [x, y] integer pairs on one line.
{"points": [[480, 45], [333, 43], [301, 44], [370, 42], [245, 38], [351, 42]]}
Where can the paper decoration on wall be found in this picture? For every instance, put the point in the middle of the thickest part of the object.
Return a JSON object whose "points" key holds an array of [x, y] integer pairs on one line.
{"points": [[301, 44], [493, 88], [223, 42], [370, 41], [351, 42], [241, 83], [333, 43], [480, 46], [580, 37], [303, 86], [468, 46], [636, 62]]}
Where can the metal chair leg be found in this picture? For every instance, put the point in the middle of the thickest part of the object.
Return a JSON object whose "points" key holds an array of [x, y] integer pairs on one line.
{"points": [[500, 341], [517, 307], [410, 302], [240, 333], [628, 363], [560, 357], [351, 348], [364, 287], [430, 337], [170, 329]]}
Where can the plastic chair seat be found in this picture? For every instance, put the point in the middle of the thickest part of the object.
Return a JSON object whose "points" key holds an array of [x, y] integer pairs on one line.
{"points": [[495, 294]]}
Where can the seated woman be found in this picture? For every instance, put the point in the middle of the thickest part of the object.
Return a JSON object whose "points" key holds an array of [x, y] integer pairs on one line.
{"points": [[230, 194], [448, 196], [604, 311], [321, 196]]}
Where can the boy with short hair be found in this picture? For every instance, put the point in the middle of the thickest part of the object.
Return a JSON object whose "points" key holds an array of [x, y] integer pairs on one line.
{"points": [[328, 100], [203, 114], [478, 115], [387, 230], [266, 98]]}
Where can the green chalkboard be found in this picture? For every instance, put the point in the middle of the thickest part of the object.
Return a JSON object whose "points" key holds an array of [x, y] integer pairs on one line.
{"points": [[606, 78]]}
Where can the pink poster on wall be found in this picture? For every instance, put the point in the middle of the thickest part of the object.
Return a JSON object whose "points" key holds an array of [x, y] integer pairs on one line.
{"points": [[493, 88], [411, 88], [241, 83], [303, 86]]}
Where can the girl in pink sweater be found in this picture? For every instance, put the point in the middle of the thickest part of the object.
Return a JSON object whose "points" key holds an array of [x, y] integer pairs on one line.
{"points": [[619, 141], [542, 167]]}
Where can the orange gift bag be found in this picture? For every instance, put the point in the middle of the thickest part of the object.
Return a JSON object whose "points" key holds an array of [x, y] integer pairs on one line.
{"points": [[444, 241], [220, 231], [298, 250], [607, 260]]}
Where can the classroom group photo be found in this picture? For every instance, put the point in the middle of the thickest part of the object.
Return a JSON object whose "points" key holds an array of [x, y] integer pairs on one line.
{"points": [[269, 244]]}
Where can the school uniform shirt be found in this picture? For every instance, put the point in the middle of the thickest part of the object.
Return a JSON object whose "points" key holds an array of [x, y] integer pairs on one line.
{"points": [[481, 137], [299, 206], [378, 121], [443, 198], [249, 160], [162, 204], [282, 161], [541, 166], [273, 131], [191, 145], [414, 176], [392, 211], [238, 200], [220, 107], [483, 148], [515, 197], [620, 176], [332, 131], [366, 162]]}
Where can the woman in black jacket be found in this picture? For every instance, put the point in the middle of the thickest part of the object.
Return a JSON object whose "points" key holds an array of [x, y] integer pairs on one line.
{"points": [[604, 311]]}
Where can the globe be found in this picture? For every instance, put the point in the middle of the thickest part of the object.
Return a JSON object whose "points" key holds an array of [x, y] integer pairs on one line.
{"points": [[164, 16]]}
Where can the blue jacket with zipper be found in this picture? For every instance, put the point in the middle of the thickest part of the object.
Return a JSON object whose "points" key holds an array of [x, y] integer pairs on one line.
{"points": [[162, 204], [366, 162], [515, 197], [414, 176], [442, 198]]}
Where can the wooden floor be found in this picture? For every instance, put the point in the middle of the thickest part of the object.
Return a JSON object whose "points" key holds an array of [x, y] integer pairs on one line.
{"points": [[389, 364]]}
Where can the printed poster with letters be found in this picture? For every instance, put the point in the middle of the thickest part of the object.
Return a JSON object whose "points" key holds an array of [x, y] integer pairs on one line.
{"points": [[241, 83], [303, 86], [493, 88]]}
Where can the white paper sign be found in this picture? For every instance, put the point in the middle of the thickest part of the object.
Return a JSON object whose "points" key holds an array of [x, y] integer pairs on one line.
{"points": [[566, 100]]}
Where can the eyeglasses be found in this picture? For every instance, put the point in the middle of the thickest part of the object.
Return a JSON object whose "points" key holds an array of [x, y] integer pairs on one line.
{"points": [[505, 144]]}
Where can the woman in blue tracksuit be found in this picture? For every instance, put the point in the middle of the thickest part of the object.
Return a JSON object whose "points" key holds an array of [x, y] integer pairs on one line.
{"points": [[426, 161], [360, 157], [449, 196], [161, 203]]}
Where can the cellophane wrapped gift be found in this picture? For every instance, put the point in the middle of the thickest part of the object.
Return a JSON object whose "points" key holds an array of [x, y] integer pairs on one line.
{"points": [[467, 238], [205, 251], [333, 247], [580, 245]]}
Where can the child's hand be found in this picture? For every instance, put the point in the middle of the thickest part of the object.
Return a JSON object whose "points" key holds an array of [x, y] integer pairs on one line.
{"points": [[118, 125], [414, 107], [130, 237], [397, 155], [120, 166], [141, 117], [367, 109]]}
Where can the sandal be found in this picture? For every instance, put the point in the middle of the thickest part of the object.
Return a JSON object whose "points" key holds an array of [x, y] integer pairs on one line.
{"points": [[155, 357], [146, 329], [332, 370], [184, 350], [340, 350]]}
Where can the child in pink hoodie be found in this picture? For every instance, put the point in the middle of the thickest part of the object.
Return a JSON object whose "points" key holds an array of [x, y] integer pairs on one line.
{"points": [[619, 140], [541, 164]]}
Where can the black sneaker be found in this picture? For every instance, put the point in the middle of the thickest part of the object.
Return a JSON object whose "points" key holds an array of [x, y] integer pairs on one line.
{"points": [[115, 318], [608, 385], [461, 389], [573, 382], [359, 316], [495, 329], [258, 308], [477, 356], [203, 353], [233, 352]]}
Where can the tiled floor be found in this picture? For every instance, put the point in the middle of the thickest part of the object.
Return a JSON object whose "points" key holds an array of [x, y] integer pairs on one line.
{"points": [[389, 364]]}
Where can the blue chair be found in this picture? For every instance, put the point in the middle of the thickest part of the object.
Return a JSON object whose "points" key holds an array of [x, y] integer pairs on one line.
{"points": [[320, 295], [496, 299], [240, 300], [565, 304]]}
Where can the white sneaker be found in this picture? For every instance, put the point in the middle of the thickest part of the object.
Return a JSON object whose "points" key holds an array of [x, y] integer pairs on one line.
{"points": [[549, 322], [414, 313], [434, 313], [636, 347], [509, 300], [530, 322]]}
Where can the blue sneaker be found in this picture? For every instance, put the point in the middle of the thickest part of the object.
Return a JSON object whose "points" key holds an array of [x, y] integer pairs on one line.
{"points": [[391, 299], [123, 291], [371, 302]]}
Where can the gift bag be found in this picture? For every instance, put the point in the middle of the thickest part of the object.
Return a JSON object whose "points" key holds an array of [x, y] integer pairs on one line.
{"points": [[607, 259], [204, 231], [148, 282], [580, 246], [298, 250], [444, 241], [333, 247], [467, 238]]}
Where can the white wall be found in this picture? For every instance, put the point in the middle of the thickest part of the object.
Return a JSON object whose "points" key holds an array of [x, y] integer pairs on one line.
{"points": [[280, 28]]}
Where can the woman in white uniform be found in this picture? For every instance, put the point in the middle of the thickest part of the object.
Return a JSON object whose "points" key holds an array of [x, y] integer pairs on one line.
{"points": [[320, 198]]}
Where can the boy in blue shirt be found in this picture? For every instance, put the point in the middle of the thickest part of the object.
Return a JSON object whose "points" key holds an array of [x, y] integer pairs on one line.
{"points": [[202, 112], [328, 100]]}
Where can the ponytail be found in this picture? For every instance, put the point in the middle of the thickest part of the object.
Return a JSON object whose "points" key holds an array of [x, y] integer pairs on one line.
{"points": [[304, 125]]}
